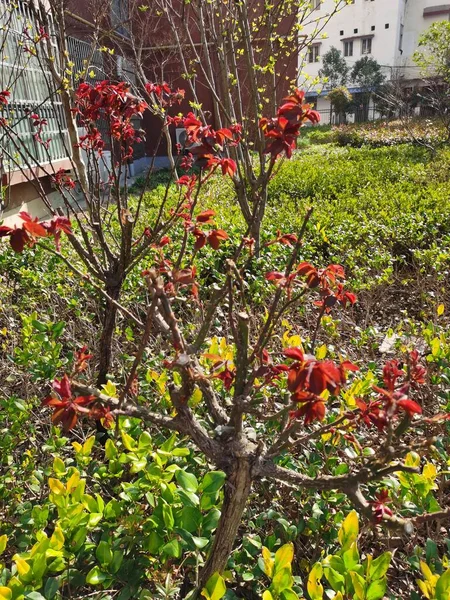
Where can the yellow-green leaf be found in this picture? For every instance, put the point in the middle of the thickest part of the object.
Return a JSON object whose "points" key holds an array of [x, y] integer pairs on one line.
{"points": [[73, 482], [57, 539], [315, 588], [3, 542], [56, 487], [349, 530], [440, 309], [22, 566], [284, 557], [215, 588]]}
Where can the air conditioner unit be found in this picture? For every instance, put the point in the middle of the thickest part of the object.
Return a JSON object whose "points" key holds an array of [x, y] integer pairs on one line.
{"points": [[181, 136]]}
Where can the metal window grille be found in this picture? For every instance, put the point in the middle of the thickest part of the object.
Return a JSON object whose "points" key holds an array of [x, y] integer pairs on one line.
{"points": [[32, 91]]}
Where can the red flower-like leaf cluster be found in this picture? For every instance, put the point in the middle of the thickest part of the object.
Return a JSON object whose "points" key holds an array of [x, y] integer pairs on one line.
{"points": [[213, 237], [380, 506], [282, 131], [329, 280], [66, 408], [4, 98], [63, 180], [207, 145], [26, 235], [165, 95], [115, 104], [308, 378], [393, 398]]}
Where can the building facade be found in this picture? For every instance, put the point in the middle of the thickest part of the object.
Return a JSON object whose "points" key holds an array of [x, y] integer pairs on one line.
{"points": [[386, 30]]}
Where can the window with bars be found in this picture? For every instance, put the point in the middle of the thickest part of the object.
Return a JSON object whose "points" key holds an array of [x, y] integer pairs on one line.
{"points": [[366, 46], [30, 83], [314, 53], [348, 48]]}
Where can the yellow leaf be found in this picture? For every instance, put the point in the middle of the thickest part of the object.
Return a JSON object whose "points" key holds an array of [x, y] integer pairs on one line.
{"points": [[73, 482], [78, 447], [110, 389], [321, 352], [5, 593], [268, 562], [314, 587], [440, 309], [426, 571], [88, 445], [57, 539], [284, 557], [22, 566], [424, 588], [3, 542], [430, 471], [56, 487], [348, 533]]}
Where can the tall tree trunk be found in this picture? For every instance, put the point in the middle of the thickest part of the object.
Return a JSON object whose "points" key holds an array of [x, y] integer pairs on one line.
{"points": [[237, 491], [106, 338]]}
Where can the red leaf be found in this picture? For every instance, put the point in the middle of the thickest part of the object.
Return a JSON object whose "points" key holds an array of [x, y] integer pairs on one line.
{"points": [[206, 216], [216, 237], [294, 353], [18, 239], [62, 387], [410, 407]]}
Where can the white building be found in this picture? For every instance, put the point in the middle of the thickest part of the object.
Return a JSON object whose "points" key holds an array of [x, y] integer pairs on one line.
{"points": [[386, 30]]}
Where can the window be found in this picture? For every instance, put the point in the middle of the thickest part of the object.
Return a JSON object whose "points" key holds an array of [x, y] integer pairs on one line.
{"points": [[366, 46], [355, 31], [32, 90], [386, 26], [372, 28], [341, 32], [120, 16], [314, 53], [348, 48]]}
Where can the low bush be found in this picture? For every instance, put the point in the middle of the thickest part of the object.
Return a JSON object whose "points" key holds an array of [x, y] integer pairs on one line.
{"points": [[390, 133]]}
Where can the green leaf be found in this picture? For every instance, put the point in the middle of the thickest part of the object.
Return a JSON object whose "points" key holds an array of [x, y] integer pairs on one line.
{"points": [[191, 518], [379, 566], [145, 441], [51, 587], [443, 586], [212, 482], [349, 530], [187, 481], [104, 553], [172, 549], [96, 576], [284, 557], [314, 587], [377, 589], [351, 557], [34, 596], [169, 521], [116, 562], [211, 520], [215, 588], [200, 542], [335, 579], [154, 542]]}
